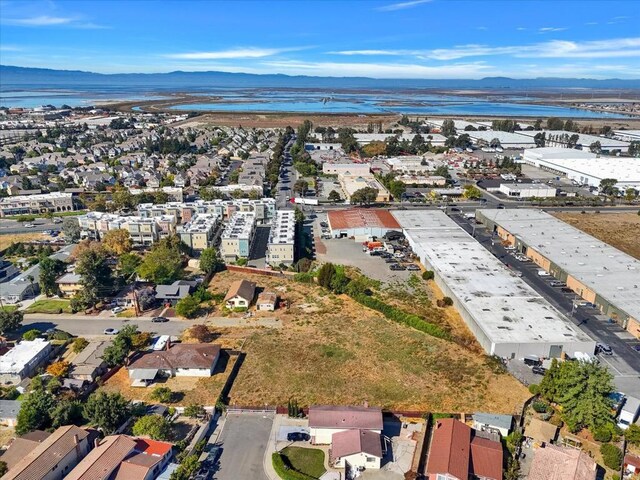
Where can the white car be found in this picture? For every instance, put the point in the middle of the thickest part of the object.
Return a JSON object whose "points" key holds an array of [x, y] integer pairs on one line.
{"points": [[117, 310], [111, 331], [29, 225], [543, 273], [57, 220]]}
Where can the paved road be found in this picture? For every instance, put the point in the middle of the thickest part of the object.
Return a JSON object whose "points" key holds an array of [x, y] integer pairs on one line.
{"points": [[40, 224], [89, 326], [624, 364], [244, 440], [258, 253], [288, 177]]}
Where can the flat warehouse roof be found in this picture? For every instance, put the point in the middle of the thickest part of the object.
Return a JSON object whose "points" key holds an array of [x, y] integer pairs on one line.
{"points": [[506, 308], [610, 273], [361, 218]]}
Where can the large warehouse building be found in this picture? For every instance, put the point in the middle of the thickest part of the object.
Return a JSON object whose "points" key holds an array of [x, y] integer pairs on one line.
{"points": [[585, 167], [361, 223], [506, 315], [598, 272]]}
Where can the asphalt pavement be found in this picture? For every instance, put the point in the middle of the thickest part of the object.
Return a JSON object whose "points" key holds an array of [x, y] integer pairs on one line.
{"points": [[624, 364], [288, 177]]}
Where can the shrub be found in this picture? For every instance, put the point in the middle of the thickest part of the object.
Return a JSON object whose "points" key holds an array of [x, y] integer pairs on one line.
{"points": [[428, 275], [399, 316], [534, 389], [79, 344], [632, 434], [540, 407], [162, 394], [303, 277], [194, 411], [61, 335], [611, 455], [30, 335], [58, 369]]}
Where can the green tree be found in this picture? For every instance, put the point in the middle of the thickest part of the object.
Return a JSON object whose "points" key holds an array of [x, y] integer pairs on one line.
{"points": [[162, 394], [301, 186], [611, 456], [210, 261], [630, 194], [3, 468], [155, 427], [107, 411], [632, 434], [298, 216], [397, 189], [66, 412], [194, 411], [471, 192], [35, 411], [512, 472], [10, 321], [30, 335], [188, 306], [448, 128], [122, 199], [595, 147], [364, 196], [326, 274], [79, 344], [128, 264], [334, 197], [162, 265], [608, 186], [50, 270], [71, 228], [95, 274]]}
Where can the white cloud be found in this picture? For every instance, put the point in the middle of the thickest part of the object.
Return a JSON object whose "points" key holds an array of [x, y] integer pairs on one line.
{"points": [[401, 6], [551, 29], [40, 21], [234, 53], [377, 52]]}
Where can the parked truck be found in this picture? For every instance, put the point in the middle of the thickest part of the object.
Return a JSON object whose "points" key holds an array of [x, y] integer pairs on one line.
{"points": [[629, 412], [304, 201], [372, 245]]}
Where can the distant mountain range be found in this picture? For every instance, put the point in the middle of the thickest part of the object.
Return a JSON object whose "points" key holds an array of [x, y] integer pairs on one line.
{"points": [[21, 77]]}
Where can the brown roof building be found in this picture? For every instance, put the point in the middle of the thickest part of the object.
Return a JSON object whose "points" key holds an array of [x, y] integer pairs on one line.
{"points": [[457, 452], [337, 417], [240, 294], [561, 463], [361, 222], [21, 446], [540, 431], [351, 442], [55, 456]]}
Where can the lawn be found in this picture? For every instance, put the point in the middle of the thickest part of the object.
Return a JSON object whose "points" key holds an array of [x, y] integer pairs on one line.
{"points": [[309, 461], [9, 308], [332, 350], [49, 306]]}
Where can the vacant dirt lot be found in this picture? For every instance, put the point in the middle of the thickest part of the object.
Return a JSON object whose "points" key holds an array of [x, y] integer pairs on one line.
{"points": [[333, 350], [622, 230], [6, 240]]}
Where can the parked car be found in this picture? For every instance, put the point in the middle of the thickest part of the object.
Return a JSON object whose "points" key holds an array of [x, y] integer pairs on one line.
{"points": [[557, 283], [111, 331], [29, 225], [57, 220], [413, 267], [510, 248], [538, 370], [397, 266], [390, 260], [543, 273], [604, 349], [566, 290], [298, 437], [159, 319], [116, 310], [324, 224], [532, 361]]}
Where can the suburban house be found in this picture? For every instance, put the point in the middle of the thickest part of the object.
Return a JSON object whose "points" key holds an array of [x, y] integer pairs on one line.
{"points": [[9, 412], [171, 294], [88, 364], [267, 301], [69, 284], [120, 457], [492, 422], [356, 448], [458, 453], [240, 294], [130, 294], [562, 463], [179, 360], [326, 420], [631, 465], [54, 457], [541, 432], [22, 360], [20, 446]]}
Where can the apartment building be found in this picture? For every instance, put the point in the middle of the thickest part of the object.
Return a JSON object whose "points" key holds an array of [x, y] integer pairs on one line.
{"points": [[281, 245], [40, 203], [237, 236], [22, 360], [199, 232]]}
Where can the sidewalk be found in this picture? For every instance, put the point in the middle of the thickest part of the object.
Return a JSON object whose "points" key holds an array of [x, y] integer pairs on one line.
{"points": [[77, 316]]}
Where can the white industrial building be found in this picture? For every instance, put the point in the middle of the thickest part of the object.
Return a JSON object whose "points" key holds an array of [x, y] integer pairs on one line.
{"points": [[527, 190], [508, 317], [627, 135], [506, 139], [598, 272], [282, 238], [555, 138], [585, 167], [346, 168]]}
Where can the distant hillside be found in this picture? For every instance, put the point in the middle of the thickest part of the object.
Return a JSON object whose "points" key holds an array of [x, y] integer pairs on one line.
{"points": [[22, 77]]}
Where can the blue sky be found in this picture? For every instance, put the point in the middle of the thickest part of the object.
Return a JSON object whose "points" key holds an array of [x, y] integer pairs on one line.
{"points": [[381, 39]]}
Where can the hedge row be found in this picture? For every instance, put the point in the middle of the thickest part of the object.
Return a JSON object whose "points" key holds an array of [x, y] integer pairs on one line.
{"points": [[397, 315], [284, 471]]}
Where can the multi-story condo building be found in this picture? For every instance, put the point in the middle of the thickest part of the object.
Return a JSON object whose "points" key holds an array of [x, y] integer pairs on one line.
{"points": [[282, 239], [40, 203], [198, 233], [237, 236]]}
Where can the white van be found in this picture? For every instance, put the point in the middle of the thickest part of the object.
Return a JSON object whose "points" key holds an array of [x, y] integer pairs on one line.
{"points": [[629, 412], [543, 273]]}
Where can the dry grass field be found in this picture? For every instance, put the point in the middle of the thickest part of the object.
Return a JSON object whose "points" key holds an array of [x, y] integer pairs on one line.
{"points": [[6, 240], [333, 350], [622, 230]]}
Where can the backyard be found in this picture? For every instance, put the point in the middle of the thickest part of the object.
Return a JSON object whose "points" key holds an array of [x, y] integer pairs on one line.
{"points": [[309, 461], [332, 350]]}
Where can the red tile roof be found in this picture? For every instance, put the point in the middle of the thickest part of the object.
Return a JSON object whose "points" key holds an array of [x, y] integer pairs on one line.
{"points": [[330, 416], [153, 447], [361, 218], [450, 449], [632, 460], [486, 458], [561, 463]]}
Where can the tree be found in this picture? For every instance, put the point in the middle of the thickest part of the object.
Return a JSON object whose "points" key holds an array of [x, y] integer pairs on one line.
{"points": [[140, 340], [397, 189], [71, 228], [334, 197], [364, 196], [31, 335], [123, 199], [555, 123], [608, 186], [95, 275], [632, 434], [10, 321], [188, 307], [301, 186], [448, 128], [66, 412], [539, 139], [471, 192], [442, 171], [50, 270], [428, 275], [3, 468], [194, 411], [162, 265], [634, 148], [155, 427], [117, 242], [512, 472], [630, 194], [79, 344], [115, 353], [611, 456], [326, 274], [128, 264], [595, 147], [347, 140], [107, 411], [59, 369], [200, 333], [35, 411], [210, 261], [162, 394], [298, 216]]}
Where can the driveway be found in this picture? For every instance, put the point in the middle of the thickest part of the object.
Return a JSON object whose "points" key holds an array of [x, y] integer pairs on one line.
{"points": [[244, 440]]}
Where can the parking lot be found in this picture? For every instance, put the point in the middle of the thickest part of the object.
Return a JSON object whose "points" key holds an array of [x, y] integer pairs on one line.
{"points": [[244, 440]]}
